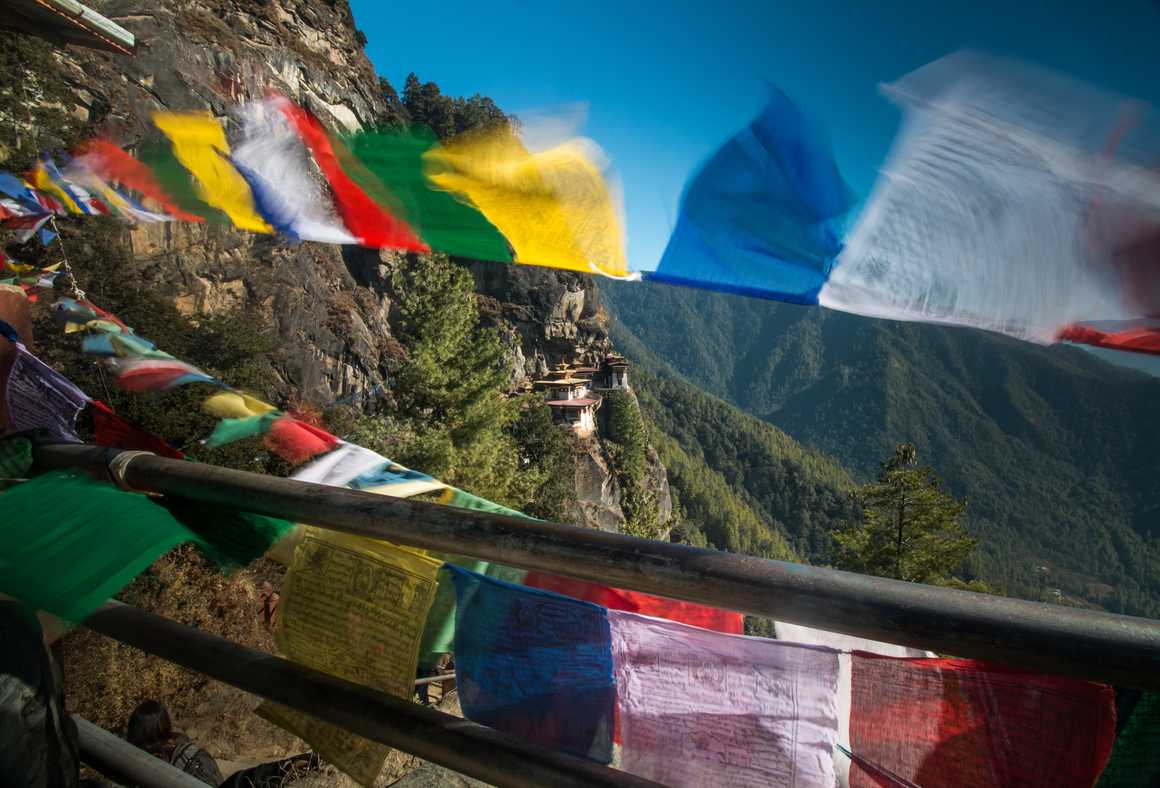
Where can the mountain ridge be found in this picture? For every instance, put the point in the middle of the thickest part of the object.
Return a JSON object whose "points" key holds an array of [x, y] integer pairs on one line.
{"points": [[1052, 446]]}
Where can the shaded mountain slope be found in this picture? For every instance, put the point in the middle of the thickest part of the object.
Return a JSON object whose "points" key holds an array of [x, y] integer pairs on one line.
{"points": [[1055, 449]]}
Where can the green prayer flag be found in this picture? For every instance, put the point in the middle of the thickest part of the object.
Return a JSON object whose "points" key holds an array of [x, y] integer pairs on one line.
{"points": [[1135, 757], [439, 632], [228, 537], [230, 430], [395, 158], [68, 542], [177, 181]]}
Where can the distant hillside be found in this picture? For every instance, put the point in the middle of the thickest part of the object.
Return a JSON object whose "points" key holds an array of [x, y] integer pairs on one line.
{"points": [[1055, 449], [745, 485]]}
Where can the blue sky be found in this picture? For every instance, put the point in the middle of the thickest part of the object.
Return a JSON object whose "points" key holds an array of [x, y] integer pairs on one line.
{"points": [[665, 83]]}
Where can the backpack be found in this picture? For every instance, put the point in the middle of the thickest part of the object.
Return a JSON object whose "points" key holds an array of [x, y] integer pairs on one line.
{"points": [[195, 761]]}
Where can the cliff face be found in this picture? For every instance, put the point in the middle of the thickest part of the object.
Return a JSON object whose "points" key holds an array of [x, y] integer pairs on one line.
{"points": [[330, 306]]}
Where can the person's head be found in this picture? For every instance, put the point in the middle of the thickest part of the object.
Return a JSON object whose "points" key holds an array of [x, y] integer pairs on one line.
{"points": [[149, 725]]}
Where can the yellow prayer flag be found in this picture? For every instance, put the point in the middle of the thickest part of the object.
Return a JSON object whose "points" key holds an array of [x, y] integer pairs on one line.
{"points": [[199, 143], [554, 206], [43, 181], [235, 405], [354, 608]]}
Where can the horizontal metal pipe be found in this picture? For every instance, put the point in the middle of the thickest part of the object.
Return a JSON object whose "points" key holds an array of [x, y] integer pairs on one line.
{"points": [[434, 679], [119, 760], [1099, 646], [456, 743]]}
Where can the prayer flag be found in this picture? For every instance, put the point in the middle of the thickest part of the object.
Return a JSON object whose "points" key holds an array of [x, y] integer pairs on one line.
{"points": [[296, 441], [341, 466], [1015, 200], [762, 215], [554, 206], [230, 430], [40, 397], [113, 430], [199, 143], [703, 708], [637, 602], [372, 224], [147, 374], [235, 405], [68, 542], [275, 163], [951, 722], [1135, 757], [439, 634], [534, 664], [449, 225], [354, 608]]}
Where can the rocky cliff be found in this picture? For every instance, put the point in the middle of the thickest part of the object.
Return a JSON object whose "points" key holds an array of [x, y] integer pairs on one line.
{"points": [[330, 306]]}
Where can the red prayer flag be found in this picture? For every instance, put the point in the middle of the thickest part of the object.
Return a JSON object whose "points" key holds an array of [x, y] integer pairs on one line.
{"points": [[120, 433], [368, 221], [114, 164], [955, 722], [1139, 339], [646, 604], [296, 441]]}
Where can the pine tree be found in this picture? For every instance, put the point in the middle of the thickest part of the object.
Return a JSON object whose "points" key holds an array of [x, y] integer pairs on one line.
{"points": [[911, 529]]}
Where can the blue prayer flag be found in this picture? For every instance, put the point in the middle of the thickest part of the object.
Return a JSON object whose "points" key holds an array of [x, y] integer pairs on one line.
{"points": [[534, 664], [761, 217]]}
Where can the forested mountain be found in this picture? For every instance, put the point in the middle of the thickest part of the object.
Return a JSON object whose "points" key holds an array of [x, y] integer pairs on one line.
{"points": [[742, 484], [1054, 448]]}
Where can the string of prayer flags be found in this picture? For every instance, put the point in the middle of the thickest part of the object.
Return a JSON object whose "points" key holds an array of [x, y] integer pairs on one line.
{"points": [[689, 613], [762, 215], [39, 397], [698, 707], [948, 722], [554, 207], [534, 664], [354, 608]]}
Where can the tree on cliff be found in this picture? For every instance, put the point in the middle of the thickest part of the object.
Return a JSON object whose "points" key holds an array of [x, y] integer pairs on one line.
{"points": [[452, 416], [628, 443], [911, 529], [446, 116]]}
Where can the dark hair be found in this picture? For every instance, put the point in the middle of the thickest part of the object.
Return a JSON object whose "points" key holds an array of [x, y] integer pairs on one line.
{"points": [[149, 725]]}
